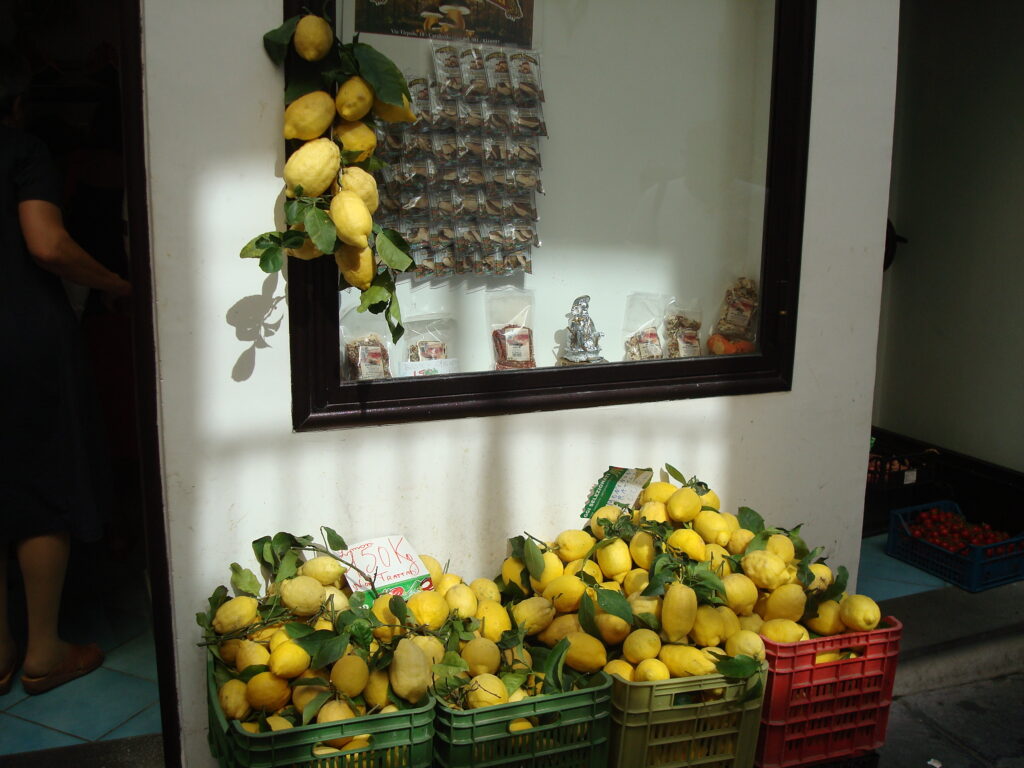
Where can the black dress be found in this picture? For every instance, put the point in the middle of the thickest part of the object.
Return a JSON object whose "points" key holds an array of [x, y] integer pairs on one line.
{"points": [[49, 450]]}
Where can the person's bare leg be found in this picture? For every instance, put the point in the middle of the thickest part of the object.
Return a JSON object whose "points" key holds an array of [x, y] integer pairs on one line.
{"points": [[43, 561], [7, 649]]}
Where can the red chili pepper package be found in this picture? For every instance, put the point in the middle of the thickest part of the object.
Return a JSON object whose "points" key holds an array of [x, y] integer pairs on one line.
{"points": [[365, 351], [510, 316]]}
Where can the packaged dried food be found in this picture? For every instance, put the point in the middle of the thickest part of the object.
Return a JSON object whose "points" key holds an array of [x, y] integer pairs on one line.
{"points": [[527, 121], [526, 84], [470, 147], [429, 345], [527, 179], [499, 76], [469, 118], [365, 350], [447, 69], [414, 174], [444, 112], [469, 201], [415, 229], [426, 267], [682, 329], [391, 140], [510, 316], [520, 206], [519, 256], [497, 119], [445, 148], [419, 90], [471, 174], [474, 74], [737, 316], [497, 181], [495, 150], [414, 201], [442, 204], [525, 151], [641, 326], [418, 146]]}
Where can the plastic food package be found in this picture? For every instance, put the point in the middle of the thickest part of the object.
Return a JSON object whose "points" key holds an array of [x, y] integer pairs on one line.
{"points": [[736, 328], [641, 326], [510, 315], [429, 346], [682, 329], [365, 350]]}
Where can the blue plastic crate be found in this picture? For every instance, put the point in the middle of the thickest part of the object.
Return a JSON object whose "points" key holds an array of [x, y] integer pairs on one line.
{"points": [[975, 571]]}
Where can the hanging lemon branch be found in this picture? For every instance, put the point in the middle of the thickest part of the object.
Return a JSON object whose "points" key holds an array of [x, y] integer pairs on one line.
{"points": [[330, 192]]}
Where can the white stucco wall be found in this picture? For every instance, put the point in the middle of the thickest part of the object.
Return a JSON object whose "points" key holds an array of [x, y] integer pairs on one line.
{"points": [[233, 469]]}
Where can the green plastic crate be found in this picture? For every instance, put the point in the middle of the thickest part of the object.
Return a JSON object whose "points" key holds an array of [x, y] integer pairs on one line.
{"points": [[571, 731], [706, 721], [401, 739]]}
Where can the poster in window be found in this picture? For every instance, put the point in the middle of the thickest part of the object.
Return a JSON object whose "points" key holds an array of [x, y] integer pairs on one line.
{"points": [[498, 22]]}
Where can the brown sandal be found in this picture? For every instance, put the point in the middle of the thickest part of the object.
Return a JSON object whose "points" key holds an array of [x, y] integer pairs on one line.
{"points": [[81, 660]]}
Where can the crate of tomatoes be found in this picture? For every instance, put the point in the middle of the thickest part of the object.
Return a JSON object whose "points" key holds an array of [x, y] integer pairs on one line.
{"points": [[938, 539]]}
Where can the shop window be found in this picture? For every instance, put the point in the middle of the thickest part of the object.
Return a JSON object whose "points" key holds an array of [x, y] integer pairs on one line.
{"points": [[674, 178]]}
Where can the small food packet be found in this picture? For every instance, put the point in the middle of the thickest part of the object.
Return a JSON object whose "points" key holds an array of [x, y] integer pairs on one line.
{"points": [[527, 90], [640, 326], [474, 74], [447, 69], [365, 350], [429, 346], [682, 329], [499, 76], [510, 316]]}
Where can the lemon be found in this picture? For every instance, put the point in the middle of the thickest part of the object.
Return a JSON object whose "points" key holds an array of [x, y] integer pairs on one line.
{"points": [[482, 656], [738, 541], [313, 37], [486, 691], [708, 628], [589, 567], [711, 527], [716, 557], [827, 622], [859, 612], [641, 549], [355, 137], [621, 668], [237, 613], [614, 558], [652, 511], [350, 674], [686, 660], [518, 658], [740, 593], [822, 577], [431, 646], [559, 628], [332, 712], [313, 166], [688, 542], [657, 491], [710, 499], [409, 672], [785, 602], [264, 634], [641, 644], [730, 621], [429, 609], [251, 654], [228, 650], [766, 569], [432, 565], [302, 595], [278, 723], [354, 99], [513, 571], [519, 723], [534, 614], [783, 631], [586, 653], [553, 568], [392, 113], [232, 700], [573, 544], [641, 604], [745, 642], [447, 581], [753, 622], [462, 600], [353, 223], [826, 657], [614, 586], [376, 690], [651, 671], [636, 581], [731, 521], [250, 727], [781, 545], [611, 513], [355, 179], [612, 628], [309, 116], [381, 608], [485, 589], [288, 660], [325, 569], [303, 694], [335, 600], [565, 593], [267, 692], [493, 619], [683, 505]]}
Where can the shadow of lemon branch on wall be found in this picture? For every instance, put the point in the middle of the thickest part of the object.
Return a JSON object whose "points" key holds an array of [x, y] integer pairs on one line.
{"points": [[251, 318]]}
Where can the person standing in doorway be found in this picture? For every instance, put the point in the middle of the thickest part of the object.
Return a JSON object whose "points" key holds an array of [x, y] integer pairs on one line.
{"points": [[48, 492]]}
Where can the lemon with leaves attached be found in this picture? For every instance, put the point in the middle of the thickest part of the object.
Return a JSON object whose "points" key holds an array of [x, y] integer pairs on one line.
{"points": [[738, 541], [356, 265], [611, 513], [392, 113], [463, 599], [513, 571], [325, 569], [235, 614], [355, 137], [827, 621], [534, 614], [565, 593], [352, 220], [553, 568], [486, 690], [493, 619], [614, 558], [302, 595], [657, 491], [683, 505], [313, 37], [354, 99], [250, 654], [710, 499], [303, 694], [309, 116], [612, 629], [822, 577], [355, 179], [573, 544], [688, 542], [781, 545], [313, 167]]}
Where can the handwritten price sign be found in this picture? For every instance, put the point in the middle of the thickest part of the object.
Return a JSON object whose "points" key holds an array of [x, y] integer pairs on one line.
{"points": [[393, 564]]}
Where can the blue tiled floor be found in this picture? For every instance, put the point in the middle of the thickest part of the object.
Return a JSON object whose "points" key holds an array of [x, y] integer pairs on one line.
{"points": [[882, 577]]}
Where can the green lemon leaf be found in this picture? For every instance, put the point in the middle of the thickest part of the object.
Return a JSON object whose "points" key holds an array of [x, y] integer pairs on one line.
{"points": [[294, 210], [244, 581], [516, 545], [288, 568], [334, 541], [297, 629], [587, 614], [298, 682], [330, 650], [393, 250], [276, 41], [534, 558], [255, 247], [397, 606], [393, 315], [554, 664], [320, 229], [375, 298], [738, 667], [218, 598], [675, 474], [251, 671], [750, 520], [381, 73], [647, 620], [313, 706], [260, 548], [272, 259], [513, 681], [615, 603]]}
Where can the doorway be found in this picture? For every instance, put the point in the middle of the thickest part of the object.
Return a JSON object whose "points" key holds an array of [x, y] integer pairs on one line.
{"points": [[85, 103]]}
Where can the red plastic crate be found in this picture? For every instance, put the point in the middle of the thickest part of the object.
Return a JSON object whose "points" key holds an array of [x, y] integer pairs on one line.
{"points": [[817, 712]]}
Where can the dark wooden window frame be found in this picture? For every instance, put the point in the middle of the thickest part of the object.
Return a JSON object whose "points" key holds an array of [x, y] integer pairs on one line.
{"points": [[321, 400]]}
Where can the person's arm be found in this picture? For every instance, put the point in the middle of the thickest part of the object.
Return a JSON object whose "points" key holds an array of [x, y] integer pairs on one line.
{"points": [[56, 251]]}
